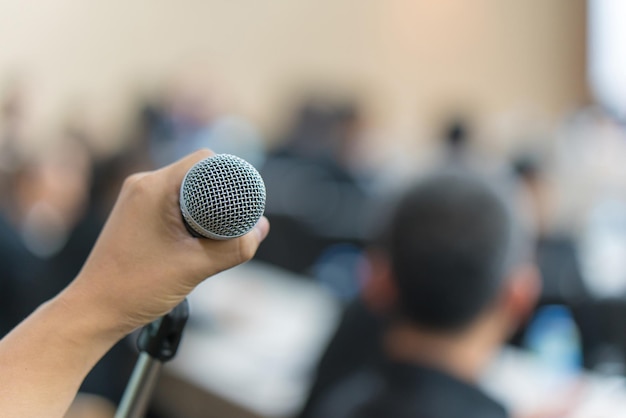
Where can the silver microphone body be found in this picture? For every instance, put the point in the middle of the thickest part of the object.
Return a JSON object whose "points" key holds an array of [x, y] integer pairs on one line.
{"points": [[222, 197]]}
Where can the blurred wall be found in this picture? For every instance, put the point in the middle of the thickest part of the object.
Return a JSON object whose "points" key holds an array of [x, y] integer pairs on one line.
{"points": [[411, 60]]}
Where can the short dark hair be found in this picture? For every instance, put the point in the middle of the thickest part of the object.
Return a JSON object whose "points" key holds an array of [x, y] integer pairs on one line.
{"points": [[451, 241]]}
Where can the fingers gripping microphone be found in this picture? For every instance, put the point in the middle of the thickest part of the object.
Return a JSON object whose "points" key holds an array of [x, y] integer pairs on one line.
{"points": [[222, 197]]}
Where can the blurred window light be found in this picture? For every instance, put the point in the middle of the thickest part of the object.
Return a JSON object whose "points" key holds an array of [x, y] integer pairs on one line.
{"points": [[607, 54], [603, 249]]}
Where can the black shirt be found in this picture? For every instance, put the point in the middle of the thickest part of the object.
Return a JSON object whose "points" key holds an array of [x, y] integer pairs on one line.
{"points": [[397, 390]]}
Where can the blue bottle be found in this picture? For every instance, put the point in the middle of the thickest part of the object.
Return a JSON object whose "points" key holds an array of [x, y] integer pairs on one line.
{"points": [[554, 338]]}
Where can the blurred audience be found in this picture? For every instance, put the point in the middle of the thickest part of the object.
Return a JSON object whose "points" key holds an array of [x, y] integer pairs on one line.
{"points": [[450, 282], [457, 141], [556, 253], [314, 201], [54, 204], [425, 306], [187, 118]]}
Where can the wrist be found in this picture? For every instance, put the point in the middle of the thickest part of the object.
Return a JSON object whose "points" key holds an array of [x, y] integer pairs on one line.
{"points": [[87, 322]]}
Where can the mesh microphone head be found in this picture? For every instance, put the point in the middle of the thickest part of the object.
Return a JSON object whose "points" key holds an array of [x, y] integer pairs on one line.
{"points": [[222, 197]]}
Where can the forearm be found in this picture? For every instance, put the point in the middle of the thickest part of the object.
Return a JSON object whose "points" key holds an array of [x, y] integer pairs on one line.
{"points": [[44, 360]]}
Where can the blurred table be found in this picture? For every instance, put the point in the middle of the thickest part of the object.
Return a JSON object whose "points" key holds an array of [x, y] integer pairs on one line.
{"points": [[253, 339], [527, 386]]}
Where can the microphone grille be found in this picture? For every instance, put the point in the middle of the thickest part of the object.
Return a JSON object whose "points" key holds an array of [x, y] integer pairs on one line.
{"points": [[222, 197]]}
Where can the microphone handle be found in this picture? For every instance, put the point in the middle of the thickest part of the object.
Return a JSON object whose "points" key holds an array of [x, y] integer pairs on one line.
{"points": [[140, 387], [157, 343]]}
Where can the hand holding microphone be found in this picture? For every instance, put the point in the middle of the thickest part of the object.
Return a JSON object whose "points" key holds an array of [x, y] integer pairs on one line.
{"points": [[144, 263]]}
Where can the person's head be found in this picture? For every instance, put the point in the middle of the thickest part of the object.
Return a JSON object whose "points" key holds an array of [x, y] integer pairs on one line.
{"points": [[531, 171], [325, 127], [456, 134], [455, 255]]}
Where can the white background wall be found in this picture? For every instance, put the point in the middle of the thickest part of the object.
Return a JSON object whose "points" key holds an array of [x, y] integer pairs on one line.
{"points": [[411, 60]]}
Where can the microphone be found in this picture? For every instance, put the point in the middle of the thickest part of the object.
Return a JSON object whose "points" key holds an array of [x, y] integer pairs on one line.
{"points": [[222, 197]]}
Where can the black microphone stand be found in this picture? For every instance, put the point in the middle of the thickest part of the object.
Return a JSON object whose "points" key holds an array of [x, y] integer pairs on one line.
{"points": [[157, 343]]}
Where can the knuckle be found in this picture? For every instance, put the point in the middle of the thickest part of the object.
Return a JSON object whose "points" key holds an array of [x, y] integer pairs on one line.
{"points": [[137, 183], [204, 153], [131, 180]]}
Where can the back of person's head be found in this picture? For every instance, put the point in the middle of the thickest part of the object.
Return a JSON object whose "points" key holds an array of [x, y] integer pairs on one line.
{"points": [[452, 241]]}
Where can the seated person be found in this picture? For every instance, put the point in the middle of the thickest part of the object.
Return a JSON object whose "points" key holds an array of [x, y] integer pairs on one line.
{"points": [[453, 278]]}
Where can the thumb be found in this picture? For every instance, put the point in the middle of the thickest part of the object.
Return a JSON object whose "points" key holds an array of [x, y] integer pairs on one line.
{"points": [[249, 243], [261, 229], [219, 255]]}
